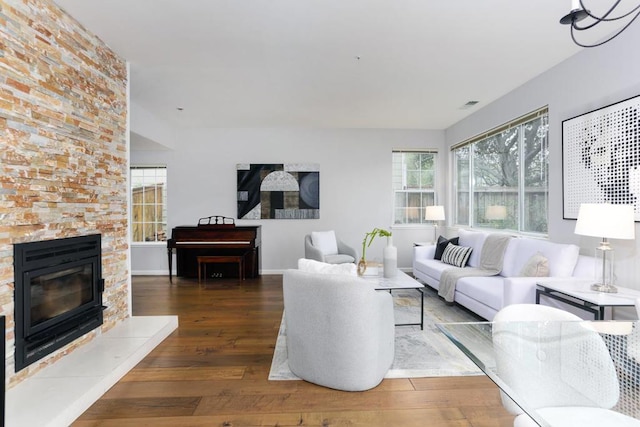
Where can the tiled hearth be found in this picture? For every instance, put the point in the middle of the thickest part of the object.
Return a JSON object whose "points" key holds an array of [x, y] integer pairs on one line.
{"points": [[58, 394]]}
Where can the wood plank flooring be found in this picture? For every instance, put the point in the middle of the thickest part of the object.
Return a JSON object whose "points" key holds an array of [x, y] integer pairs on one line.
{"points": [[212, 371]]}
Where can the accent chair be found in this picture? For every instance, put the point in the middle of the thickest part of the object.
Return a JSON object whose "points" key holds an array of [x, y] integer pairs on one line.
{"points": [[340, 331], [325, 247]]}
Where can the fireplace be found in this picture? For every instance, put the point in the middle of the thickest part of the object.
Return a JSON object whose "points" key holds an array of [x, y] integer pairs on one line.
{"points": [[58, 294]]}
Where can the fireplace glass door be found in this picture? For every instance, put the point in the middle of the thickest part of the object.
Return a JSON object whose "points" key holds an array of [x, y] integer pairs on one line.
{"points": [[58, 293]]}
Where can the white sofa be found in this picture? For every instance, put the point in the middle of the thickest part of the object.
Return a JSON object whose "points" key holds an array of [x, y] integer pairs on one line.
{"points": [[485, 296]]}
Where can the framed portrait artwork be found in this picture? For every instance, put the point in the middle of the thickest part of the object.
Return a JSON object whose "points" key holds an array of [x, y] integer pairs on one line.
{"points": [[601, 157]]}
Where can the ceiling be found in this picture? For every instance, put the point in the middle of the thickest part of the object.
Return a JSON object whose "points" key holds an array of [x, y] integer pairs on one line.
{"points": [[404, 64]]}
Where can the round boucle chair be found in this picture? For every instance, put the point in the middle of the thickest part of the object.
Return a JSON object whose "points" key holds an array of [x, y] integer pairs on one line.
{"points": [[340, 331]]}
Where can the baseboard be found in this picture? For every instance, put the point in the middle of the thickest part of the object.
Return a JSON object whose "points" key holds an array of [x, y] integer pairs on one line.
{"points": [[151, 273]]}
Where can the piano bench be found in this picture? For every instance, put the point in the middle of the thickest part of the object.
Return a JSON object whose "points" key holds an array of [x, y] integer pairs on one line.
{"points": [[220, 259]]}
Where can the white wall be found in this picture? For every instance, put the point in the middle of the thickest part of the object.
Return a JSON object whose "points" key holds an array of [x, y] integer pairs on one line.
{"points": [[355, 186], [589, 80]]}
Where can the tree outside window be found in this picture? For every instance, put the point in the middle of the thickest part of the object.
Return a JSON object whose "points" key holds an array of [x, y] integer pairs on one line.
{"points": [[413, 185], [148, 201]]}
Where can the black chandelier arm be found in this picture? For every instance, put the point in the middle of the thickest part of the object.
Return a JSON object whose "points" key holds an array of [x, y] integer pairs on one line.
{"points": [[573, 27], [604, 17]]}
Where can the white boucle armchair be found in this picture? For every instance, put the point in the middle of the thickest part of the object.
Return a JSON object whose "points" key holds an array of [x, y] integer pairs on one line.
{"points": [[340, 331]]}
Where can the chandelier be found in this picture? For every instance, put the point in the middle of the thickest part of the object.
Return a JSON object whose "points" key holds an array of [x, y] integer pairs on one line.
{"points": [[579, 12]]}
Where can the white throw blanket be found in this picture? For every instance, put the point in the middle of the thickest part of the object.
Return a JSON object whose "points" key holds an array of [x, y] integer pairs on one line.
{"points": [[491, 258]]}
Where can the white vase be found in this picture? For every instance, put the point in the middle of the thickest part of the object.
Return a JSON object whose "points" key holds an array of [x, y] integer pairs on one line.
{"points": [[390, 259]]}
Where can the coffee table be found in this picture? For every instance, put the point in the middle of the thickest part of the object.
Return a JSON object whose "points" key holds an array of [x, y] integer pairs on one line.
{"points": [[401, 280]]}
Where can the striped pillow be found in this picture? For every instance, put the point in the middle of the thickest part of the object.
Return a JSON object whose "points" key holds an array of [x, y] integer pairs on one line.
{"points": [[456, 255]]}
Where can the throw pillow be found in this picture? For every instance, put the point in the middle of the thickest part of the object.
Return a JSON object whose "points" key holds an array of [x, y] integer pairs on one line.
{"points": [[313, 266], [536, 266], [456, 255], [442, 243], [325, 241]]}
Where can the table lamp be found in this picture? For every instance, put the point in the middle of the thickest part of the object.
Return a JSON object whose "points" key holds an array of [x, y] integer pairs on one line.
{"points": [[435, 214], [608, 222]]}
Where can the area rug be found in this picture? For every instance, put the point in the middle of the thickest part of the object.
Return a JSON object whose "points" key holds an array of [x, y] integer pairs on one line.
{"points": [[418, 353]]}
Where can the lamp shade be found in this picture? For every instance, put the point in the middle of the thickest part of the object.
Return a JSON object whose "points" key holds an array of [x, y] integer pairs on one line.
{"points": [[495, 212], [434, 213], [606, 220]]}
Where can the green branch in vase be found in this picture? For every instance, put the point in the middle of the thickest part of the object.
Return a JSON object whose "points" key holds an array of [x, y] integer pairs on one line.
{"points": [[368, 238]]}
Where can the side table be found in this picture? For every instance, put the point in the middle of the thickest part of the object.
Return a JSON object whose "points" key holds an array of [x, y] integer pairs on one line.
{"points": [[578, 293]]}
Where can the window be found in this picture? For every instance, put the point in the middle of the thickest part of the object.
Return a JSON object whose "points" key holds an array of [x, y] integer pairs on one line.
{"points": [[414, 176], [149, 203], [501, 177]]}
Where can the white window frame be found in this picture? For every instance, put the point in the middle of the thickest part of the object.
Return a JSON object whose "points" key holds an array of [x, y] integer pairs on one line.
{"points": [[470, 143], [421, 191], [163, 205]]}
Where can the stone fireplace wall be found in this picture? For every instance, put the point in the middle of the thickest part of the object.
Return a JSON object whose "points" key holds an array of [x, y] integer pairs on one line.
{"points": [[63, 150]]}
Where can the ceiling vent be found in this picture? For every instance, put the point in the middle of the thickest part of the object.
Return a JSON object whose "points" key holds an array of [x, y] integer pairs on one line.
{"points": [[469, 104]]}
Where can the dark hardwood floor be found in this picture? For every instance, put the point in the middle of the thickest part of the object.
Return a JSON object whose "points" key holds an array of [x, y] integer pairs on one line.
{"points": [[212, 371]]}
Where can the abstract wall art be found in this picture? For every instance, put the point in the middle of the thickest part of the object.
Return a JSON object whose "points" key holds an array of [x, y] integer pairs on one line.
{"points": [[601, 157], [278, 191]]}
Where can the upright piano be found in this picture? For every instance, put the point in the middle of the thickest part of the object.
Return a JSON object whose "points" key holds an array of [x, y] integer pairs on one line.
{"points": [[214, 235]]}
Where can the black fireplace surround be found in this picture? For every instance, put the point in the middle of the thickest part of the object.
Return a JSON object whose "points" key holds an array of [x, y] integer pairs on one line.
{"points": [[58, 294]]}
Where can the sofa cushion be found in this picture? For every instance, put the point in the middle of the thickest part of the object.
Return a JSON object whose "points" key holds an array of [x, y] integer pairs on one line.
{"points": [[313, 266], [585, 266], [488, 290], [325, 241], [456, 255], [474, 240], [562, 257], [536, 266], [339, 259], [442, 244], [431, 267]]}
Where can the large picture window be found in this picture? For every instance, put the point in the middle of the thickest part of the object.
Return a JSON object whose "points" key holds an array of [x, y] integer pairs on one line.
{"points": [[149, 203], [501, 177], [414, 183]]}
